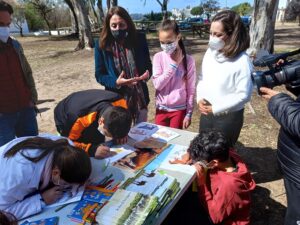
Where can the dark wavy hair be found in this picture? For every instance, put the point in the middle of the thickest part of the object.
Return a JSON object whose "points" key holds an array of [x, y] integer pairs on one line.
{"points": [[7, 219], [106, 38], [209, 145], [117, 121], [4, 6], [74, 164], [238, 36], [171, 25]]}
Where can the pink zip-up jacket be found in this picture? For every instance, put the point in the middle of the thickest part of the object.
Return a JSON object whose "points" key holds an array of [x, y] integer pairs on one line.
{"points": [[173, 91]]}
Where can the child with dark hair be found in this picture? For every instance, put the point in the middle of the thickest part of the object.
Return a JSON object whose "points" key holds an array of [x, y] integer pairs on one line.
{"points": [[7, 219], [87, 117], [224, 182], [35, 171], [174, 79]]}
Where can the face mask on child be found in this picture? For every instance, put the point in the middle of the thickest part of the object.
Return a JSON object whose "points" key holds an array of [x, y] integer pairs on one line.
{"points": [[216, 43], [169, 48], [4, 34], [101, 130]]}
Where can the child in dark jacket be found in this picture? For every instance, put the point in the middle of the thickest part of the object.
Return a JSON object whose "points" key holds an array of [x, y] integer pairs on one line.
{"points": [[223, 180]]}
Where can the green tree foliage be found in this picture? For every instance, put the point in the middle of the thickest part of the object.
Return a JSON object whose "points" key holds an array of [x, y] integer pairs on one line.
{"points": [[34, 20], [210, 6], [197, 11], [156, 16], [242, 9]]}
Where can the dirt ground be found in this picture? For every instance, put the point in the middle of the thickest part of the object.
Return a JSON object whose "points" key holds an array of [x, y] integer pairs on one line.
{"points": [[59, 71]]}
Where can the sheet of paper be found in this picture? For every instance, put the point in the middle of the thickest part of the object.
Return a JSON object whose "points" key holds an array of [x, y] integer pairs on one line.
{"points": [[165, 134], [138, 159], [120, 152], [160, 158], [105, 175], [142, 131], [177, 152], [46, 221], [67, 198], [148, 183]]}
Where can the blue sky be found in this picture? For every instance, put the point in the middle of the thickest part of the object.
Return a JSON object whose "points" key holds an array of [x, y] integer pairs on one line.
{"points": [[137, 6]]}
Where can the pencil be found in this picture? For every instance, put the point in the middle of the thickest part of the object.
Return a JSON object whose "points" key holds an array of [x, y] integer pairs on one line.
{"points": [[61, 207]]}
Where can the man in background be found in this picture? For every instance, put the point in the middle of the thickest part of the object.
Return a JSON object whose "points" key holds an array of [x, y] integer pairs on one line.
{"points": [[18, 94]]}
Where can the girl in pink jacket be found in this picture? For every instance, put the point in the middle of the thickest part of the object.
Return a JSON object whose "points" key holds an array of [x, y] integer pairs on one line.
{"points": [[174, 79]]}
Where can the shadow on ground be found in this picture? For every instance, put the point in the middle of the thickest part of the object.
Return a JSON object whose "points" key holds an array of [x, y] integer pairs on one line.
{"points": [[265, 209]]}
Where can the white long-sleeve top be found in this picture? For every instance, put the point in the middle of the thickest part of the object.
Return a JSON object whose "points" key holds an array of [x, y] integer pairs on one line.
{"points": [[226, 84], [20, 179]]}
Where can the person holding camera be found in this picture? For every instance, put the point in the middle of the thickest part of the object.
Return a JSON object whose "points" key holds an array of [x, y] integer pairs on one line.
{"points": [[286, 111], [225, 82]]}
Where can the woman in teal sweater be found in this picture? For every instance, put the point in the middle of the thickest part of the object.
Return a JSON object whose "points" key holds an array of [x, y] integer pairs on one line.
{"points": [[122, 61]]}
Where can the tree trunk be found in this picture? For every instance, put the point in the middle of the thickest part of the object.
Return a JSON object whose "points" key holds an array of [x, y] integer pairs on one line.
{"points": [[164, 8], [101, 12], [263, 26], [111, 3], [85, 33], [48, 24], [95, 13], [21, 31], [74, 17]]}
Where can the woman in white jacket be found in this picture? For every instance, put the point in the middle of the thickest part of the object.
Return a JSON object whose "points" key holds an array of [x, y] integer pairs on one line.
{"points": [[36, 170], [225, 82]]}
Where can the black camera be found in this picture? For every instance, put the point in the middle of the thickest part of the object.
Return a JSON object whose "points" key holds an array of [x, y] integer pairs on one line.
{"points": [[287, 72]]}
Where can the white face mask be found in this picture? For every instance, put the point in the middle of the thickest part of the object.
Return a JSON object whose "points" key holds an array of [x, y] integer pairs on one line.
{"points": [[101, 131], [216, 43], [169, 48], [4, 34]]}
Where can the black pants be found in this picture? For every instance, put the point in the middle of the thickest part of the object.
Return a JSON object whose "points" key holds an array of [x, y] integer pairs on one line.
{"points": [[292, 216], [229, 124]]}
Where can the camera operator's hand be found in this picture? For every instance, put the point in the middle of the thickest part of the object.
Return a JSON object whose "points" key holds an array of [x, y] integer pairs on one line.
{"points": [[279, 62], [268, 93]]}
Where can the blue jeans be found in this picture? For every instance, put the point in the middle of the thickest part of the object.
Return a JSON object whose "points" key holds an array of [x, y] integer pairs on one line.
{"points": [[18, 124]]}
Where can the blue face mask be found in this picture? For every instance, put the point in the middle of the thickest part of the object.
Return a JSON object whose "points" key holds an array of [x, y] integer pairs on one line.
{"points": [[4, 34]]}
